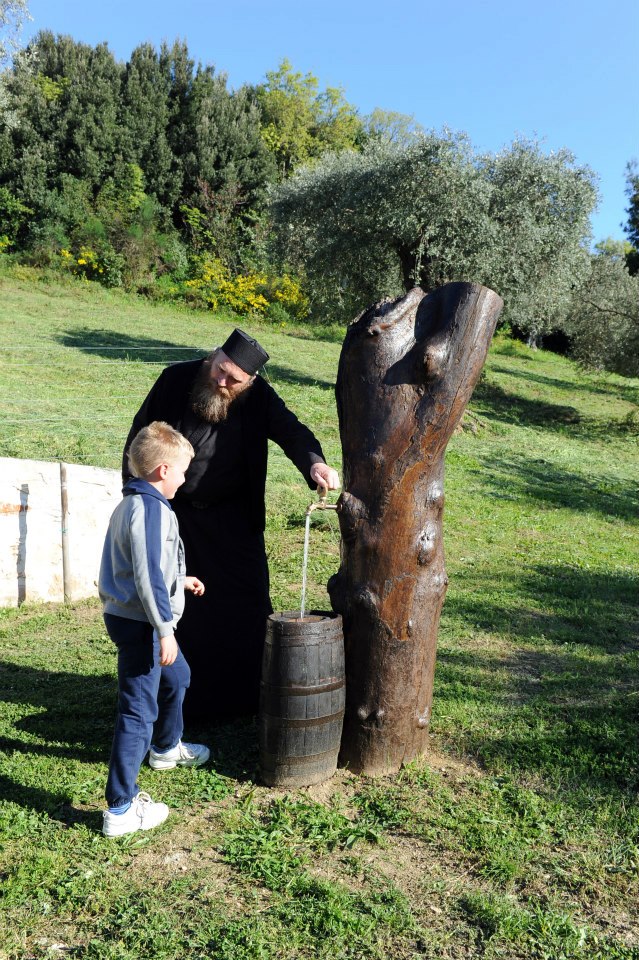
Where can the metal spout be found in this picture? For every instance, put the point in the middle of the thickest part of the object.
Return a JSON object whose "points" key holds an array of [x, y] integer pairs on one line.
{"points": [[320, 504]]}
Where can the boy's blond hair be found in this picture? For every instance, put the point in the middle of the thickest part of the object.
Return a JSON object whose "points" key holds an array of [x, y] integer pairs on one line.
{"points": [[155, 444]]}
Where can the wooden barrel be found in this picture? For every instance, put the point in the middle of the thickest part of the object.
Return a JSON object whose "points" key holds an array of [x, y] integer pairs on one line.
{"points": [[302, 698]]}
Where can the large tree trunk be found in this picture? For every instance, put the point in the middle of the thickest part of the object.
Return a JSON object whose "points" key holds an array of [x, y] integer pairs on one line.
{"points": [[406, 373]]}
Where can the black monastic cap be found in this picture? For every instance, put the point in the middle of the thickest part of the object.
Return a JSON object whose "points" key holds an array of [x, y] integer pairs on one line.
{"points": [[245, 352]]}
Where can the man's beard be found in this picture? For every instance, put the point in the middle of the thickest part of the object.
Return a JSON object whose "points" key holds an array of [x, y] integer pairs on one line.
{"points": [[211, 402]]}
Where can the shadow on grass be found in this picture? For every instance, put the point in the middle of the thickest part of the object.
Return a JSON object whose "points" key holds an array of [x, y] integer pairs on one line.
{"points": [[565, 702], [74, 721], [55, 805], [234, 746], [547, 483], [502, 405], [120, 346], [509, 407], [325, 334], [546, 381], [278, 373], [628, 392], [580, 608], [75, 712], [562, 716]]}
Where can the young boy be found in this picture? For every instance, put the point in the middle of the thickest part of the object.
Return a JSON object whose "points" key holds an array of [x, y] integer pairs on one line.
{"points": [[141, 585]]}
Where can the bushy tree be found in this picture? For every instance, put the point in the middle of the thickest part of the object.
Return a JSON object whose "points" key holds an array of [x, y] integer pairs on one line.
{"points": [[371, 224], [540, 205], [66, 96], [603, 319], [144, 111], [226, 167], [632, 225], [13, 14], [84, 127], [391, 127], [224, 145], [13, 215], [300, 123]]}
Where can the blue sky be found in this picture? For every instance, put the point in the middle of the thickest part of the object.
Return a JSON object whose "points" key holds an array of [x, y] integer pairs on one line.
{"points": [[562, 71]]}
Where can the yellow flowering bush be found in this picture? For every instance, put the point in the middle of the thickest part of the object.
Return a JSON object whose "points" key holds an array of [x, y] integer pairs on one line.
{"points": [[86, 264], [105, 265], [287, 291], [209, 274], [244, 293], [215, 284]]}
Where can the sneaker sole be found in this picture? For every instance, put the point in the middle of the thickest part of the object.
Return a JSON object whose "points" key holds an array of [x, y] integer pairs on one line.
{"points": [[119, 833], [172, 764], [127, 833]]}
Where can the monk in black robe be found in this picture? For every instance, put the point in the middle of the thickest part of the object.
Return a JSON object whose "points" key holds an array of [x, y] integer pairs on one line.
{"points": [[228, 413]]}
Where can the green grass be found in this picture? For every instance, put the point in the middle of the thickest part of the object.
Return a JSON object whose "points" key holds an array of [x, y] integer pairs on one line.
{"points": [[516, 837]]}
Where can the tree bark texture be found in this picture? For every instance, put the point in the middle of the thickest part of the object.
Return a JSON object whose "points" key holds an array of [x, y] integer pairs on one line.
{"points": [[406, 372]]}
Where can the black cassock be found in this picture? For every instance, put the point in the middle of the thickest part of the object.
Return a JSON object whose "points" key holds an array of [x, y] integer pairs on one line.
{"points": [[220, 509]]}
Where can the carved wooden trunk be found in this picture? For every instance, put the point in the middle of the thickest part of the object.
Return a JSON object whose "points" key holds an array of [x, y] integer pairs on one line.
{"points": [[406, 373]]}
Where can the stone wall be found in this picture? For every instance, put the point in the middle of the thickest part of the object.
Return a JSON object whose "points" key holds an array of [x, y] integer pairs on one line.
{"points": [[31, 566]]}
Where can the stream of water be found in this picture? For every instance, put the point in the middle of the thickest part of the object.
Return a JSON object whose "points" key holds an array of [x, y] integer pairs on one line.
{"points": [[307, 529]]}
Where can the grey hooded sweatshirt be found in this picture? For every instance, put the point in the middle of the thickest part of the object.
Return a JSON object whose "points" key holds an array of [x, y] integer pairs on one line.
{"points": [[143, 569]]}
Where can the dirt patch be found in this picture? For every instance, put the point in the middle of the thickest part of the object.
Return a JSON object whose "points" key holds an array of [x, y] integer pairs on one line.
{"points": [[187, 847]]}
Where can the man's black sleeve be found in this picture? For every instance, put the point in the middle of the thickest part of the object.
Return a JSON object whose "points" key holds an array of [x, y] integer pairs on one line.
{"points": [[299, 444]]}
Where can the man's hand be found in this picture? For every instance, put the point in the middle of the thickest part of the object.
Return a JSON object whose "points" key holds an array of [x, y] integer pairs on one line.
{"points": [[168, 650], [194, 586], [325, 476]]}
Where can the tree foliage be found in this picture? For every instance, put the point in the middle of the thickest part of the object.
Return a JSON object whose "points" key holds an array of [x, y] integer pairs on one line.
{"points": [[155, 174], [84, 125], [299, 123], [632, 226], [391, 127], [603, 319], [13, 14], [371, 224], [144, 115], [224, 144]]}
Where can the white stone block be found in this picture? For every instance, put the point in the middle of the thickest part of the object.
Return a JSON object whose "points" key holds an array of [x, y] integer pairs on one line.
{"points": [[31, 529]]}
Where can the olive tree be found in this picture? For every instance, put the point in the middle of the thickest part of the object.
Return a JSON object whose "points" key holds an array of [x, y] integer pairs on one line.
{"points": [[603, 320], [429, 211], [632, 224], [13, 14]]}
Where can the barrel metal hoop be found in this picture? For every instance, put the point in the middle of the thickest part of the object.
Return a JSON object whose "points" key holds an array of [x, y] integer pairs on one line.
{"points": [[300, 691], [291, 723], [299, 640], [299, 761]]}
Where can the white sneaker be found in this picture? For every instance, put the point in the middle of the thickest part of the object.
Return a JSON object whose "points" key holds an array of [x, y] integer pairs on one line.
{"points": [[143, 814], [182, 755]]}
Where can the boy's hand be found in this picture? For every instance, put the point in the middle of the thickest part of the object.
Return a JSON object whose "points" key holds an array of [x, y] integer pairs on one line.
{"points": [[194, 585], [168, 650]]}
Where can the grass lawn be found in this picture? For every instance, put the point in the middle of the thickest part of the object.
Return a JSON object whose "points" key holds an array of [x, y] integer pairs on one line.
{"points": [[517, 836]]}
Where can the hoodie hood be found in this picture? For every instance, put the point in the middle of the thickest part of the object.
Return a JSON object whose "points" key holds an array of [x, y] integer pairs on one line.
{"points": [[137, 485]]}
